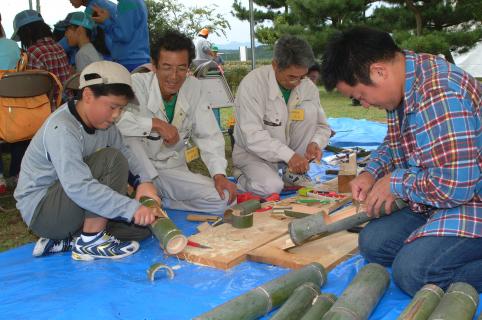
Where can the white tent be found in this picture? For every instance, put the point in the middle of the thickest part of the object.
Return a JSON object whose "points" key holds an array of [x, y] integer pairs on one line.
{"points": [[471, 61]]}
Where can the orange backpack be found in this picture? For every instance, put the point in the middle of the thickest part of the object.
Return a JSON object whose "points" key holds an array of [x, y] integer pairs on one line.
{"points": [[21, 115]]}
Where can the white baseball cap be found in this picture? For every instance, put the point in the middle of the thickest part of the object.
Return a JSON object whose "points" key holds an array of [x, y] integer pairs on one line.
{"points": [[104, 72]]}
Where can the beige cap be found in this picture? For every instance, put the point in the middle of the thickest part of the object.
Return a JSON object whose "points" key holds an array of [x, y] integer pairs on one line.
{"points": [[109, 72]]}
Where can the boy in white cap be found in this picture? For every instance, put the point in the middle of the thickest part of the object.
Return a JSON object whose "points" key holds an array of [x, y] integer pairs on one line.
{"points": [[74, 174]]}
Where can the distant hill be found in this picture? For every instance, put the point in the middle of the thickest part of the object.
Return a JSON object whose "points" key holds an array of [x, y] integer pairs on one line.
{"points": [[262, 53], [234, 45]]}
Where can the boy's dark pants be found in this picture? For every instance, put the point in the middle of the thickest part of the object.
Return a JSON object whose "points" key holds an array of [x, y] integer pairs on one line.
{"points": [[58, 217], [437, 260]]}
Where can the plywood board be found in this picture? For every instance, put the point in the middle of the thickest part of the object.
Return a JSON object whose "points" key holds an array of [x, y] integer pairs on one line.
{"points": [[328, 251], [230, 246]]}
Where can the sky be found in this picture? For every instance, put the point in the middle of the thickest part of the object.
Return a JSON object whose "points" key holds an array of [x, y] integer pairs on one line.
{"points": [[55, 10]]}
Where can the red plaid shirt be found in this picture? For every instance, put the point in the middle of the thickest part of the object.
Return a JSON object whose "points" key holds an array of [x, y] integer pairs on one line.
{"points": [[46, 54], [436, 157]]}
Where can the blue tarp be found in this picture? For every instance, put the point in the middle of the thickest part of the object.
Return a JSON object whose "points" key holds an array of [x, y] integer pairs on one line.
{"points": [[57, 287]]}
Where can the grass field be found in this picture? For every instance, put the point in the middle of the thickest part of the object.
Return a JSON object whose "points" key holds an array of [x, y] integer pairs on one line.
{"points": [[13, 231]]}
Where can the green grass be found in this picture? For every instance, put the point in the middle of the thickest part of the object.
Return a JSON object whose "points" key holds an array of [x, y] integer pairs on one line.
{"points": [[14, 233]]}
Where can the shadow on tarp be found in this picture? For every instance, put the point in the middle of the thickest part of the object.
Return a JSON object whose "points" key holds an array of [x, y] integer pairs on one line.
{"points": [[57, 287]]}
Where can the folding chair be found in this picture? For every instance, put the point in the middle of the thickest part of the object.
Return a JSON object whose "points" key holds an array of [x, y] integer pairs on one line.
{"points": [[28, 84]]}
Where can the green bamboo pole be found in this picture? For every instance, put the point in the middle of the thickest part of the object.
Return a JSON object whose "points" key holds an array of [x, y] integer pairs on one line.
{"points": [[459, 303], [298, 302], [320, 306], [170, 237], [263, 299], [302, 229], [423, 304], [362, 295]]}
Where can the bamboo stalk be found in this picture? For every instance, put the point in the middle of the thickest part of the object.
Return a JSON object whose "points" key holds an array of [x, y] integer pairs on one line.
{"points": [[320, 306], [298, 302], [423, 304], [459, 303], [170, 237], [263, 299], [302, 229], [362, 295]]}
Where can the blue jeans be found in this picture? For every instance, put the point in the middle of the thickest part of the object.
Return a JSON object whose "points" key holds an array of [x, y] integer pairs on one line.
{"points": [[437, 260]]}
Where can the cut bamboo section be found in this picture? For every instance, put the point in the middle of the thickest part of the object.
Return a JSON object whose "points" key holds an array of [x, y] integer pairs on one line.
{"points": [[320, 306], [298, 302], [170, 237], [423, 304], [263, 299], [362, 295], [459, 303]]}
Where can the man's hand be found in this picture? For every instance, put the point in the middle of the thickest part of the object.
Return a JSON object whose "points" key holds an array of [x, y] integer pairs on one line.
{"points": [[298, 164], [221, 183], [147, 189], [378, 196], [361, 185], [167, 131], [100, 14], [313, 152]]}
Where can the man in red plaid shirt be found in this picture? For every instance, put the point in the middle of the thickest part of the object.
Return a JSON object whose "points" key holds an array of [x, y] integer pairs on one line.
{"points": [[431, 158]]}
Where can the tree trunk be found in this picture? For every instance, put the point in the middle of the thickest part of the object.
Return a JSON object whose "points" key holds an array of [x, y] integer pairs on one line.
{"points": [[418, 16]]}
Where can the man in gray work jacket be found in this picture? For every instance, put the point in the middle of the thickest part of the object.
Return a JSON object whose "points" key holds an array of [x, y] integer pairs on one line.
{"points": [[280, 123]]}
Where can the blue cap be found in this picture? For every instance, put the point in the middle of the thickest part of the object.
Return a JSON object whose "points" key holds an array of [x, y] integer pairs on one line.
{"points": [[23, 18], [63, 24], [81, 19]]}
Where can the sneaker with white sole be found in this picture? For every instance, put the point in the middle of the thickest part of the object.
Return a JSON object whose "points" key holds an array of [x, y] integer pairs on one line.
{"points": [[103, 246], [294, 179], [46, 246]]}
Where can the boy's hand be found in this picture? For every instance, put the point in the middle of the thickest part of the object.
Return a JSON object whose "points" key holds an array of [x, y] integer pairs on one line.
{"points": [[147, 189], [144, 216], [167, 131]]}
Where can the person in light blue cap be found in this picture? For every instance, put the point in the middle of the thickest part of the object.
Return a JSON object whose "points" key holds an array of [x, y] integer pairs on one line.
{"points": [[110, 6], [80, 33]]}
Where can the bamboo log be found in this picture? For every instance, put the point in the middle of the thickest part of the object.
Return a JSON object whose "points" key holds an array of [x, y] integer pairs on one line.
{"points": [[298, 302], [245, 207], [263, 299], [170, 237], [423, 304], [459, 303], [241, 215], [302, 229], [362, 295], [320, 306]]}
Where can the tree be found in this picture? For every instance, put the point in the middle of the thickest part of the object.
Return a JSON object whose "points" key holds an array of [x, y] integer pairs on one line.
{"points": [[169, 14], [434, 26]]}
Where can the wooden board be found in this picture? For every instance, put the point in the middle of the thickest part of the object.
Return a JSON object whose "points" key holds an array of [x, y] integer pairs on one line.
{"points": [[328, 251], [230, 246]]}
